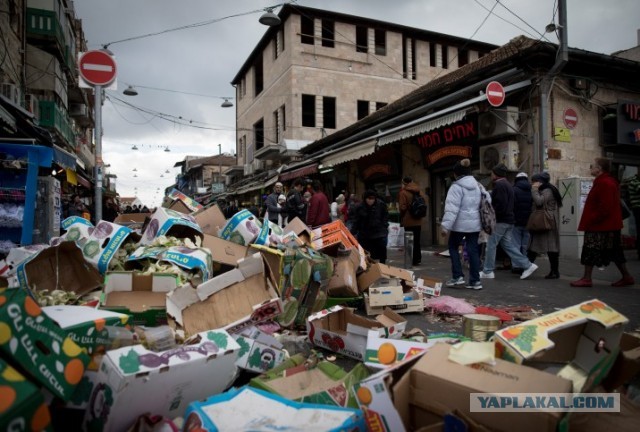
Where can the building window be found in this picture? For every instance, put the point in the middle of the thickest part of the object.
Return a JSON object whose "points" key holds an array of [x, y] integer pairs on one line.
{"points": [[445, 57], [432, 54], [241, 146], [362, 39], [380, 105], [278, 44], [258, 134], [306, 30], [308, 110], [405, 59], [463, 57], [329, 112], [363, 109], [283, 118], [328, 33], [276, 126], [258, 76], [381, 42], [414, 60]]}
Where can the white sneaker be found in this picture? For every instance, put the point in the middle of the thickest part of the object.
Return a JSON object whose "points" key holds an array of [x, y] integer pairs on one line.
{"points": [[528, 272], [489, 275], [455, 281], [475, 286]]}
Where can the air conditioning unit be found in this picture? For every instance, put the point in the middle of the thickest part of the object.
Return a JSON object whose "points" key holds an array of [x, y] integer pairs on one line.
{"points": [[77, 110], [248, 169], [498, 122], [32, 104], [258, 165], [506, 152], [11, 92]]}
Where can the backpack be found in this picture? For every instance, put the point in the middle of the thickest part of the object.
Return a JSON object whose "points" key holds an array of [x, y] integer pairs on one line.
{"points": [[487, 214], [418, 207]]}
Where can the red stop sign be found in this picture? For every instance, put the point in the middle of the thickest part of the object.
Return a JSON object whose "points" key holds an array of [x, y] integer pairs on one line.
{"points": [[570, 118], [495, 93], [97, 68]]}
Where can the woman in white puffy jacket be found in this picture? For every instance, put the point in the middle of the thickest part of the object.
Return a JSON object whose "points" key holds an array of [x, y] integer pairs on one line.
{"points": [[461, 221]]}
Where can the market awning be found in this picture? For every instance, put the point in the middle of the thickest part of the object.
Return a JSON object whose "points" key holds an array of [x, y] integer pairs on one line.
{"points": [[356, 152], [420, 126], [299, 172], [64, 158], [83, 181]]}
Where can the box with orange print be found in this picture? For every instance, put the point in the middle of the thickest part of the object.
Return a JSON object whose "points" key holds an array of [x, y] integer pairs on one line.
{"points": [[22, 406], [579, 343], [33, 344]]}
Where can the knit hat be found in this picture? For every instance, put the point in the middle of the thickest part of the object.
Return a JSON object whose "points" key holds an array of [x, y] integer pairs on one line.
{"points": [[522, 174], [462, 168], [500, 170], [370, 193], [282, 198], [542, 177], [340, 199]]}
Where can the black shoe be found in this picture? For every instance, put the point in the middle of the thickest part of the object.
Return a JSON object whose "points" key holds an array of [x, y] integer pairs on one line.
{"points": [[553, 275]]}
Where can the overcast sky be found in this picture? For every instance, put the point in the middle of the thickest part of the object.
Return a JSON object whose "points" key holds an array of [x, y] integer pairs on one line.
{"points": [[204, 59]]}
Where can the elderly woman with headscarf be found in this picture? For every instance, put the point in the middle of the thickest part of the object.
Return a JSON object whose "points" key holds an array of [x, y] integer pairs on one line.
{"points": [[546, 196]]}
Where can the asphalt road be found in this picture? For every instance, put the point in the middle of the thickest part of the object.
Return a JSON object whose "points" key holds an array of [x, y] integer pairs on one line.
{"points": [[537, 292]]}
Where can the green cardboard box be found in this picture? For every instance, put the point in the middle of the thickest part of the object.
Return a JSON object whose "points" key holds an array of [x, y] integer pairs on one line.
{"points": [[38, 346]]}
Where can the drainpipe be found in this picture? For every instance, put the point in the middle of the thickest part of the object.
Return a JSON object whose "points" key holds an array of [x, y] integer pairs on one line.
{"points": [[546, 86]]}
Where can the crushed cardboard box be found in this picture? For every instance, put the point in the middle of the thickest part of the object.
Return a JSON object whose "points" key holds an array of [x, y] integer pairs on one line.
{"points": [[243, 228], [166, 222], [259, 351], [174, 378], [142, 296], [627, 364], [379, 271]]}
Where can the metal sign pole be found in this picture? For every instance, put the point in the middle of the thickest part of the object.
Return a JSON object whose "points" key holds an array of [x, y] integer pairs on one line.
{"points": [[98, 166]]}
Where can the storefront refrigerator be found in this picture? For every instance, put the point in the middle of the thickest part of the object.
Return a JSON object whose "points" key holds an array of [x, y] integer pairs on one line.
{"points": [[574, 191], [48, 210]]}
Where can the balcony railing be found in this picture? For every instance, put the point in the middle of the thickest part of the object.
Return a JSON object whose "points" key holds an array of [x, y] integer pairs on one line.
{"points": [[45, 25], [52, 116]]}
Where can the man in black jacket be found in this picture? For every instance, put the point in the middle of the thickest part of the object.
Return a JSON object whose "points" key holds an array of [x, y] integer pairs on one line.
{"points": [[502, 200], [371, 225], [296, 206]]}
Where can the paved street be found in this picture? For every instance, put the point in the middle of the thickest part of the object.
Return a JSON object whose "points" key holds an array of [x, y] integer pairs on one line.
{"points": [[546, 295]]}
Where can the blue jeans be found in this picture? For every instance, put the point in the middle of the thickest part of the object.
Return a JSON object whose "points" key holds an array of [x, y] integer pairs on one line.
{"points": [[471, 244], [521, 239], [503, 235]]}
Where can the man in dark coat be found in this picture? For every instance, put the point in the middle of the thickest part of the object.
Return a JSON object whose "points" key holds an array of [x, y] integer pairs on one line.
{"points": [[370, 225]]}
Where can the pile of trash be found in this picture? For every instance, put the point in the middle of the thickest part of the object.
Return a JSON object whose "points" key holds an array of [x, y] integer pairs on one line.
{"points": [[191, 322]]}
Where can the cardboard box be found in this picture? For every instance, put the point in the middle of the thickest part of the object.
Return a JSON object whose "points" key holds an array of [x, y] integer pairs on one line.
{"points": [[259, 351], [85, 325], [274, 263], [386, 292], [413, 301], [211, 220], [191, 204], [224, 254], [237, 298], [325, 383], [438, 385], [195, 260], [23, 406], [143, 297], [569, 337], [76, 228], [37, 346], [343, 282], [428, 286], [133, 380], [165, 222], [103, 243], [179, 206], [382, 353], [627, 364], [243, 228], [132, 220], [300, 229], [382, 271], [375, 396], [253, 407], [340, 330], [61, 267]]}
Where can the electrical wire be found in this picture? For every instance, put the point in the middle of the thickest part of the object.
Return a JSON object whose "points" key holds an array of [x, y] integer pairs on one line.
{"points": [[505, 20], [517, 16], [178, 91]]}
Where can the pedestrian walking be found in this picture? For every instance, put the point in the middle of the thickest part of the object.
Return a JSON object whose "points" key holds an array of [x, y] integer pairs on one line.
{"points": [[296, 207], [502, 200], [546, 196], [631, 187], [461, 220], [522, 202], [318, 210], [273, 209], [601, 222], [370, 224], [409, 221]]}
